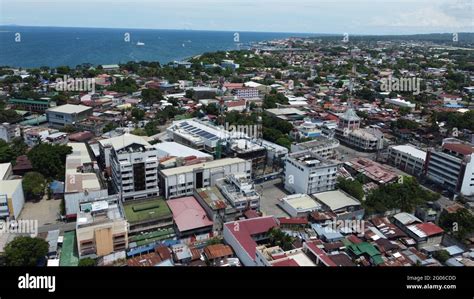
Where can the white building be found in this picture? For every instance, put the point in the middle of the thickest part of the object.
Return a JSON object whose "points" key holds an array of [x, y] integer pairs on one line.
{"points": [[325, 147], [349, 132], [452, 166], [299, 205], [68, 114], [181, 181], [12, 198], [133, 165], [8, 131], [407, 158], [82, 183], [307, 173], [240, 192], [400, 103]]}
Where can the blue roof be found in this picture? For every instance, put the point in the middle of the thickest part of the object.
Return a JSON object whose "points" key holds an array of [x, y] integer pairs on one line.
{"points": [[57, 187], [326, 232], [454, 250]]}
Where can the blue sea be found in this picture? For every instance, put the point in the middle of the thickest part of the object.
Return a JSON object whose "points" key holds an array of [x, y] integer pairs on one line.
{"points": [[56, 46]]}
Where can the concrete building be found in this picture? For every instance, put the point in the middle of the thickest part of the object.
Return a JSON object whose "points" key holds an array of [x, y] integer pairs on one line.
{"points": [[243, 236], [349, 132], [36, 105], [216, 206], [239, 191], [275, 256], [407, 158], [322, 146], [452, 166], [8, 132], [101, 230], [299, 205], [344, 206], [68, 114], [181, 181], [307, 173], [424, 233], [12, 198], [400, 103], [82, 184], [133, 166]]}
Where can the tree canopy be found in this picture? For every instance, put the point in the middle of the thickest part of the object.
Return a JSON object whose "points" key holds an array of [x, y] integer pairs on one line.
{"points": [[34, 185], [25, 251], [49, 159]]}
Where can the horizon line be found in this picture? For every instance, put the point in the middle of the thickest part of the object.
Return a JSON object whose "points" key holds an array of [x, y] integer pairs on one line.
{"points": [[232, 31]]}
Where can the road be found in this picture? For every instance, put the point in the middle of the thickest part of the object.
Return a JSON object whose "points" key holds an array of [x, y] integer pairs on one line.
{"points": [[63, 227]]}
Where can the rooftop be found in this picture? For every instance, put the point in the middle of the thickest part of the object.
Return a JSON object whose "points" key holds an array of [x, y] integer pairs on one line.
{"points": [[188, 214], [411, 150], [206, 165], [336, 199], [146, 210], [301, 202], [70, 109]]}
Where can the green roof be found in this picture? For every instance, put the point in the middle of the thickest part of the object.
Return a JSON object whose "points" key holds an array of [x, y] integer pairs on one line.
{"points": [[147, 238], [366, 248], [146, 210], [69, 256], [29, 101]]}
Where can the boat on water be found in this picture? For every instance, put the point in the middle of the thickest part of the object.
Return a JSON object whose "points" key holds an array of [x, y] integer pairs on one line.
{"points": [[140, 43]]}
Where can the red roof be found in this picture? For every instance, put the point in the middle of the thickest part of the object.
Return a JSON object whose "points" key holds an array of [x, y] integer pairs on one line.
{"points": [[284, 220], [429, 228], [286, 263], [462, 149], [188, 214], [243, 231], [235, 103], [320, 254], [251, 214]]}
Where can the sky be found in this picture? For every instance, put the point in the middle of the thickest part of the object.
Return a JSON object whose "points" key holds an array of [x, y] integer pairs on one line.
{"points": [[297, 16]]}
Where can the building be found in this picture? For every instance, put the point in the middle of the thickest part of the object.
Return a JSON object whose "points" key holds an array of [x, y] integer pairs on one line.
{"points": [[246, 93], [349, 132], [174, 149], [299, 205], [82, 184], [249, 150], [240, 192], [181, 181], [68, 114], [243, 236], [8, 132], [407, 158], [288, 114], [12, 198], [101, 230], [424, 233], [275, 256], [452, 166], [133, 166], [307, 173], [189, 217], [217, 252], [344, 206], [35, 105], [322, 146], [216, 206], [378, 173], [147, 215], [401, 103]]}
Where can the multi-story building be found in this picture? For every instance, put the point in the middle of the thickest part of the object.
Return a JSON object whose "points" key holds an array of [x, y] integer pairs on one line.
{"points": [[12, 198], [308, 173], [407, 158], [299, 205], [68, 114], [349, 132], [325, 147], [82, 184], [101, 230], [36, 105], [240, 192], [246, 92], [133, 165], [181, 181], [9, 131], [452, 166]]}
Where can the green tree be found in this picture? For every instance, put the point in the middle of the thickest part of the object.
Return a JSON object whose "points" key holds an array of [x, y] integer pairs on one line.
{"points": [[25, 251], [352, 187], [460, 223], [138, 113], [49, 159], [34, 185], [442, 255], [87, 262]]}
